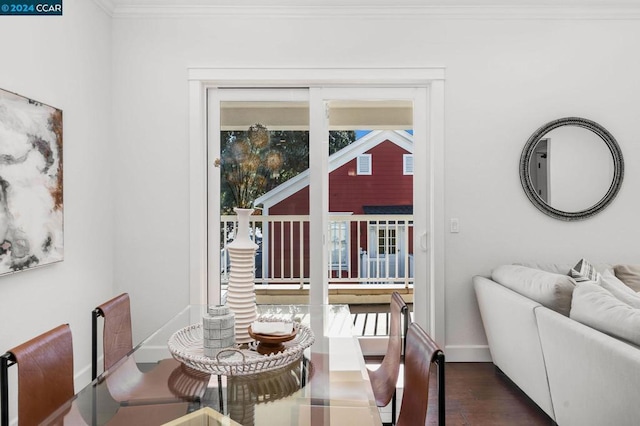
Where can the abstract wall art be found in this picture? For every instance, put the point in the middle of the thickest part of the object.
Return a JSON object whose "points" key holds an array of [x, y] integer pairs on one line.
{"points": [[31, 208]]}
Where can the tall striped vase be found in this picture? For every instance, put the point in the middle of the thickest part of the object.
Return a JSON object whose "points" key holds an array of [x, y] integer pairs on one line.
{"points": [[241, 292]]}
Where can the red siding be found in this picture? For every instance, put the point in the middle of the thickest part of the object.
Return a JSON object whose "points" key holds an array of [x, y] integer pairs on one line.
{"points": [[348, 192], [298, 203], [386, 186]]}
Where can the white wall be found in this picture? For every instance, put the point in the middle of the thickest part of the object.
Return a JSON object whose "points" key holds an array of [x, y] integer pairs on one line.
{"points": [[504, 79], [66, 62]]}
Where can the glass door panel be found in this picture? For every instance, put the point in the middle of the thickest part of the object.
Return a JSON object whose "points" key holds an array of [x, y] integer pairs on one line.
{"points": [[371, 193], [371, 207], [262, 162]]}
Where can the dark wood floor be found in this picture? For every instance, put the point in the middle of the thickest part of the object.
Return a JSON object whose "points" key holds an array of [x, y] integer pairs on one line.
{"points": [[479, 394]]}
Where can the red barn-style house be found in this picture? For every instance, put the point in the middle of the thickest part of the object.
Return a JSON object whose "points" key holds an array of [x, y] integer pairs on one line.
{"points": [[371, 207]]}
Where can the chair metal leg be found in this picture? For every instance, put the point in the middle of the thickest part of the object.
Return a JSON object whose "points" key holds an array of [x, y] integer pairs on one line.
{"points": [[406, 319], [441, 396], [5, 362], [406, 316], [393, 411], [94, 342], [393, 408]]}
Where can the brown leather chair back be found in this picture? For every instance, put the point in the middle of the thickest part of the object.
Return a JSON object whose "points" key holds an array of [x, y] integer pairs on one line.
{"points": [[45, 374], [117, 336], [421, 353], [127, 382], [384, 379]]}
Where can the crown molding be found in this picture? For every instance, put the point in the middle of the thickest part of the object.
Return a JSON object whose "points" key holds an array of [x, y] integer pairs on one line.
{"points": [[107, 6], [542, 12]]}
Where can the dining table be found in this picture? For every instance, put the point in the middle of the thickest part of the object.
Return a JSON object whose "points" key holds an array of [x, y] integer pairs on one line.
{"points": [[326, 383]]}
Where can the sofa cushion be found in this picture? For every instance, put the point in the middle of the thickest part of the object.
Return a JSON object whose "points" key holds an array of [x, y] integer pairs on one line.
{"points": [[547, 288], [596, 307], [619, 290], [629, 274], [562, 268], [556, 268], [584, 271]]}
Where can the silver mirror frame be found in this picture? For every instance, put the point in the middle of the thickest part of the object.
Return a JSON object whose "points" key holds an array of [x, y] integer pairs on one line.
{"points": [[618, 168]]}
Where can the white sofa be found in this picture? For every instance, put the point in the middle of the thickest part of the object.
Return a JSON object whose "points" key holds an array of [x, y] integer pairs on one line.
{"points": [[575, 373]]}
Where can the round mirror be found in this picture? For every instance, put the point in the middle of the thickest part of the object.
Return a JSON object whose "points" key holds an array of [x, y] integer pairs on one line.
{"points": [[571, 168]]}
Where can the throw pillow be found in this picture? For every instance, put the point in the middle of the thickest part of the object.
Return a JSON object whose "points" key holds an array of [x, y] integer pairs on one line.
{"points": [[619, 290], [584, 271], [594, 306], [629, 274], [549, 289]]}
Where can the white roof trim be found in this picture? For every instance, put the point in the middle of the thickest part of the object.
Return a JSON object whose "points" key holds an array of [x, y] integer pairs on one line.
{"points": [[401, 138]]}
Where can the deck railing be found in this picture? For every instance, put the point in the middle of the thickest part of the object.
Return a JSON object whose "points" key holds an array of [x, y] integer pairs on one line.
{"points": [[362, 249]]}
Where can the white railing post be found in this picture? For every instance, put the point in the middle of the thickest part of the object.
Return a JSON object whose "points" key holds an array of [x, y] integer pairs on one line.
{"points": [[368, 268], [301, 222]]}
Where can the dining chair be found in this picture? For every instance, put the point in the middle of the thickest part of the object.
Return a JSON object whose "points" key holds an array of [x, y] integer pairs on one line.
{"points": [[45, 375], [117, 332], [421, 352], [385, 378], [165, 381]]}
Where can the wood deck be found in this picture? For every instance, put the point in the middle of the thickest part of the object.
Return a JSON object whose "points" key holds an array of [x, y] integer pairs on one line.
{"points": [[371, 320]]}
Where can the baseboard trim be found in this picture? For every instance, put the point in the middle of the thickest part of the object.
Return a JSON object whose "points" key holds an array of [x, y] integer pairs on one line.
{"points": [[83, 377], [467, 353]]}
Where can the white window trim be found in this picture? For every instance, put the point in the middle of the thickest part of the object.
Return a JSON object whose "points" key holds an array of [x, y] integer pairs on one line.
{"points": [[346, 265], [360, 169], [374, 234], [405, 159]]}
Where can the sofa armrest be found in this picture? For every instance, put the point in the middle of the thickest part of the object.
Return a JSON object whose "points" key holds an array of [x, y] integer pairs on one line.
{"points": [[593, 377], [512, 332]]}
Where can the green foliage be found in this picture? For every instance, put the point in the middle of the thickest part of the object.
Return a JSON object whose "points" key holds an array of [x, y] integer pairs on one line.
{"points": [[250, 167], [338, 139]]}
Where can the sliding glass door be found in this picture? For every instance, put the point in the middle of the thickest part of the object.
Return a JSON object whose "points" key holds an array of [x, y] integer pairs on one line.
{"points": [[337, 215]]}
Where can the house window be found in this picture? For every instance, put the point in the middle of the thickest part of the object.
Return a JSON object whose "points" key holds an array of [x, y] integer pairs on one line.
{"points": [[386, 241], [407, 164], [364, 164], [339, 245]]}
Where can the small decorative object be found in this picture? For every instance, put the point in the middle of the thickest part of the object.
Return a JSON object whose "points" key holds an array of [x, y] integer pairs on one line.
{"points": [[271, 338], [218, 331], [186, 346], [31, 207]]}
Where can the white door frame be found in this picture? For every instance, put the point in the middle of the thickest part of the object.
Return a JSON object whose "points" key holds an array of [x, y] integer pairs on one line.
{"points": [[428, 118]]}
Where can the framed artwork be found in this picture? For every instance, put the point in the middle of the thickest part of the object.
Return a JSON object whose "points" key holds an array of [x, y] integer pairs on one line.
{"points": [[31, 207]]}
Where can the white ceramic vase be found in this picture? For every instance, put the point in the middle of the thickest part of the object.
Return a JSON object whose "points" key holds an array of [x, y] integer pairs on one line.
{"points": [[241, 294]]}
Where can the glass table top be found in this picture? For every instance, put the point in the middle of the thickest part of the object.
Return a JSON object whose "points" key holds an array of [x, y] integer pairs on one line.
{"points": [[329, 384]]}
